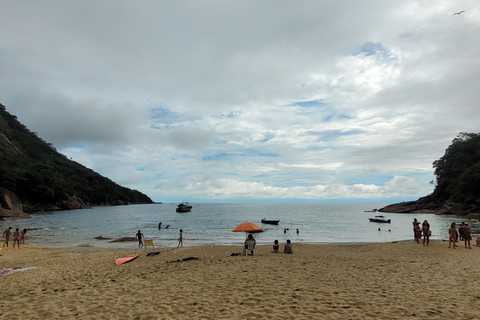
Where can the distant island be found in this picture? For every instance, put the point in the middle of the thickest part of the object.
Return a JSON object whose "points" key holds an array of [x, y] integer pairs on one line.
{"points": [[35, 177], [457, 186]]}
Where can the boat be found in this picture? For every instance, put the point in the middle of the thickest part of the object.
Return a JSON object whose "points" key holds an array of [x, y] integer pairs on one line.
{"points": [[264, 220], [381, 219], [184, 207]]}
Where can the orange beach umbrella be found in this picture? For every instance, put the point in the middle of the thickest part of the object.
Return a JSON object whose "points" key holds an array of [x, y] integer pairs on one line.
{"points": [[247, 227]]}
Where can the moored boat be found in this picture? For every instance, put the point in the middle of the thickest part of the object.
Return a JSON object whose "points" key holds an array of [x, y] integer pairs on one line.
{"points": [[381, 219], [184, 207], [270, 221]]}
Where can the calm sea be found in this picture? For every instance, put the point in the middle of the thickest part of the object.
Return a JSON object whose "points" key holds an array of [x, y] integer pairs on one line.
{"points": [[209, 224]]}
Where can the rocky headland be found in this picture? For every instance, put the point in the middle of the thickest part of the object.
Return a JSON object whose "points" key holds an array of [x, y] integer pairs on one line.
{"points": [[427, 205]]}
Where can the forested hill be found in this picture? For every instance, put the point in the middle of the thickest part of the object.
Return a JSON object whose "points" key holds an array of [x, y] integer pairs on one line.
{"points": [[41, 177], [457, 187]]}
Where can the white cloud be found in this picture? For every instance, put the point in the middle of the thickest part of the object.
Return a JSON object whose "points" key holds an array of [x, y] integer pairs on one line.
{"points": [[237, 100]]}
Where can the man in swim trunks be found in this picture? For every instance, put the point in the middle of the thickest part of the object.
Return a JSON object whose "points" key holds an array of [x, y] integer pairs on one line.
{"points": [[16, 238], [467, 235], [7, 234], [139, 237]]}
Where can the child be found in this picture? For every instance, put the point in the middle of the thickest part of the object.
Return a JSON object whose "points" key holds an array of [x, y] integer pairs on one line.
{"points": [[275, 246]]}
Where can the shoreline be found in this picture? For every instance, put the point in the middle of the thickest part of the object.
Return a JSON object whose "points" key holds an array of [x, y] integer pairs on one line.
{"points": [[328, 281]]}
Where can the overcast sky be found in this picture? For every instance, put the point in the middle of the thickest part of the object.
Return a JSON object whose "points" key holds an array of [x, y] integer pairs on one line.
{"points": [[222, 101]]}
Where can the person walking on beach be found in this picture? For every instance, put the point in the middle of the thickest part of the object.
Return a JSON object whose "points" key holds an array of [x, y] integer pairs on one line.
{"points": [[467, 235], [16, 238], [7, 234], [452, 235], [180, 239], [23, 235], [139, 237], [426, 232]]}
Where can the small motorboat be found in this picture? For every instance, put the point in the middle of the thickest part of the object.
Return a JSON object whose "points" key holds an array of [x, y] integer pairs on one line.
{"points": [[270, 221], [381, 219], [184, 207]]}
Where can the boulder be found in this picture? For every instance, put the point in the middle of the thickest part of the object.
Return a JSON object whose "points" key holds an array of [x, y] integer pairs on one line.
{"points": [[74, 202], [10, 205]]}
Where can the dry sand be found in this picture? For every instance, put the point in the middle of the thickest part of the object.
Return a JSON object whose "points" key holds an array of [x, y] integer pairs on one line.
{"points": [[402, 280]]}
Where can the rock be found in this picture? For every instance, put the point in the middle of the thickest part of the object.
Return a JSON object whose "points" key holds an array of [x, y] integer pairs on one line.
{"points": [[101, 238], [124, 239], [74, 203], [10, 205]]}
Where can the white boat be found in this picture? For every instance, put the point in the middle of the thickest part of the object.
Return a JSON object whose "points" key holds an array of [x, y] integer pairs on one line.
{"points": [[381, 219]]}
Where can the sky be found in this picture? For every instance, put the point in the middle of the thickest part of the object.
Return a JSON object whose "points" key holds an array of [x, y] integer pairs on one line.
{"points": [[247, 101]]}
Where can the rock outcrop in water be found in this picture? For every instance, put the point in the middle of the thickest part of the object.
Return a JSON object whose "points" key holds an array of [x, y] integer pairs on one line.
{"points": [[10, 205]]}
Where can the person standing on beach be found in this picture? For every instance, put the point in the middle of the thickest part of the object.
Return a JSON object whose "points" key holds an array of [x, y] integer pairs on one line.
{"points": [[139, 237], [467, 235], [16, 238], [7, 234], [23, 235], [180, 239], [426, 232], [416, 230], [460, 230], [452, 235]]}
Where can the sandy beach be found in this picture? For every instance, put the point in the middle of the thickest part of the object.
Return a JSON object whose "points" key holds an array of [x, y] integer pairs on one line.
{"points": [[401, 280]]}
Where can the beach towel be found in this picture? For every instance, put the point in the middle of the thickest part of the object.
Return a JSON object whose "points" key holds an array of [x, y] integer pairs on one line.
{"points": [[5, 271]]}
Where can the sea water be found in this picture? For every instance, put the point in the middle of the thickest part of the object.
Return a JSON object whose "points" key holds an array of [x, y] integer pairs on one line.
{"points": [[212, 224]]}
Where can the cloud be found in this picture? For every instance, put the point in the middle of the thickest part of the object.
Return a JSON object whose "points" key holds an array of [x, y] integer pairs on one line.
{"points": [[236, 100]]}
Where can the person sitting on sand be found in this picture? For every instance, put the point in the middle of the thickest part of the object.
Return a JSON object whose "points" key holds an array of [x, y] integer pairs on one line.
{"points": [[16, 238], [23, 235], [288, 247], [276, 246], [139, 237], [467, 235], [478, 241], [426, 232], [452, 235], [250, 240], [180, 239], [7, 234]]}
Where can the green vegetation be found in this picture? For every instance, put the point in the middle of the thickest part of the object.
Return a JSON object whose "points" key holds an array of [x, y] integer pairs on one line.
{"points": [[38, 174], [458, 171]]}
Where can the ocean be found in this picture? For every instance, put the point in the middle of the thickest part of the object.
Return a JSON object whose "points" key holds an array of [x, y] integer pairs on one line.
{"points": [[212, 224]]}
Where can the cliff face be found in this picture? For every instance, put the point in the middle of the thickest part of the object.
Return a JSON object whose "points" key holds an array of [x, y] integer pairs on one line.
{"points": [[44, 179], [10, 205], [427, 205]]}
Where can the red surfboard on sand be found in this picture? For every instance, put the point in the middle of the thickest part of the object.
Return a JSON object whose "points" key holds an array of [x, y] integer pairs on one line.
{"points": [[125, 259]]}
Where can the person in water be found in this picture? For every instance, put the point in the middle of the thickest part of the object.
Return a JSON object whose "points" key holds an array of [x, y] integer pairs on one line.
{"points": [[139, 237]]}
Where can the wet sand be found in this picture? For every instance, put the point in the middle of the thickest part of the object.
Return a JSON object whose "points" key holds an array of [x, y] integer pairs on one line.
{"points": [[402, 280]]}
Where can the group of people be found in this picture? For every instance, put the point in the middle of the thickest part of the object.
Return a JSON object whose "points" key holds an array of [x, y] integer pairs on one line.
{"points": [[423, 230], [18, 236], [139, 237], [464, 233], [276, 246]]}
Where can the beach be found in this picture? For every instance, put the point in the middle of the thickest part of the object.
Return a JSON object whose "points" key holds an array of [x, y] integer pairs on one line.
{"points": [[400, 280]]}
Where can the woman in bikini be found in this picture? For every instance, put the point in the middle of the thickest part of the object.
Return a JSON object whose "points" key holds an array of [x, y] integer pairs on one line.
{"points": [[426, 232], [452, 235]]}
